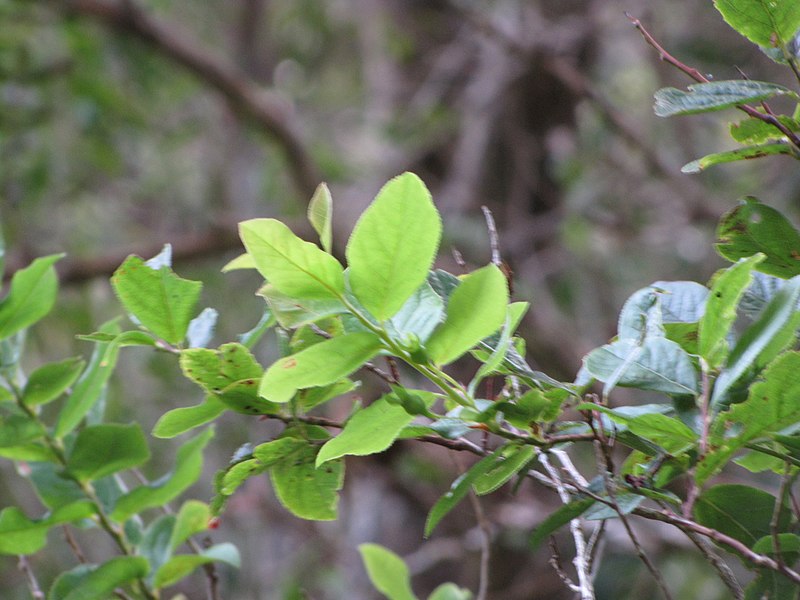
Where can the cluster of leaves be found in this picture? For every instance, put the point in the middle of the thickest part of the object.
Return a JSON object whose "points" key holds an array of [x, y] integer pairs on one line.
{"points": [[77, 462]]}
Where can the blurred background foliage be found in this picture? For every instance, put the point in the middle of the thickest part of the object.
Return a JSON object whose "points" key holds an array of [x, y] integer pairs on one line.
{"points": [[126, 124]]}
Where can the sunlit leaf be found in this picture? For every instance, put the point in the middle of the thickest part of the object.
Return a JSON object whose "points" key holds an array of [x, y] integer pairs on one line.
{"points": [[387, 572], [31, 296], [320, 215], [747, 153]]}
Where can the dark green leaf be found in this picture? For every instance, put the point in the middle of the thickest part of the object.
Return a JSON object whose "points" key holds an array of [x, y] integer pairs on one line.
{"points": [[31, 297], [739, 511], [99, 583], [753, 227], [50, 381], [558, 519], [418, 317], [514, 459], [101, 450]]}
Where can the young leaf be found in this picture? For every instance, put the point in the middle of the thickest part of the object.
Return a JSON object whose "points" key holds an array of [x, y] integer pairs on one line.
{"points": [[764, 22], [243, 261], [476, 309], [32, 295], [713, 95], [369, 431], [90, 582], [308, 492], [387, 572], [294, 267], [158, 299], [101, 450], [559, 518], [180, 420], [319, 365], [720, 311], [776, 321], [178, 567], [753, 227], [393, 246], [50, 381], [450, 591], [188, 466], [747, 153], [458, 489], [192, 518], [320, 215]]}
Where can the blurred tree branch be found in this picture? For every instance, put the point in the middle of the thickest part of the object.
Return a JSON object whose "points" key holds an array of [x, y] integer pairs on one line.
{"points": [[270, 112]]}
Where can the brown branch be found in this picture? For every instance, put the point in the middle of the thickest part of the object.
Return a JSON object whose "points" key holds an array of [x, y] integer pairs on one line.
{"points": [[700, 78], [270, 112]]}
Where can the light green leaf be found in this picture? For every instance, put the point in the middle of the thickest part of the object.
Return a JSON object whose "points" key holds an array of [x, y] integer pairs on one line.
{"points": [[713, 95], [450, 591], [243, 261], [740, 511], [775, 321], [50, 381], [101, 450], [188, 466], [368, 431], [320, 215], [238, 473], [31, 296], [768, 23], [311, 397], [158, 299], [88, 582], [393, 246], [756, 131], [458, 489], [660, 365], [294, 267], [180, 420], [753, 227], [292, 311], [502, 345], [192, 518], [514, 460], [476, 309], [319, 365], [720, 313], [387, 572], [178, 567], [307, 491], [746, 153], [20, 535], [558, 519]]}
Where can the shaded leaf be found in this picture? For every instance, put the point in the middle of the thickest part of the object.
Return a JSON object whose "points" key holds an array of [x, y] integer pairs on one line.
{"points": [[31, 296], [98, 583], [739, 511], [50, 381], [558, 519], [101, 450], [178, 567], [713, 95]]}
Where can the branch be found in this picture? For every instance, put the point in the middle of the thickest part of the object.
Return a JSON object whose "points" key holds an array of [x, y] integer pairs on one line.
{"points": [[270, 112]]}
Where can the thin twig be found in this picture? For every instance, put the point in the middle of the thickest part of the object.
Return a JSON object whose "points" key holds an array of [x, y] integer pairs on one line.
{"points": [[486, 545], [723, 570], [33, 585], [494, 240], [776, 512], [700, 78], [555, 562], [74, 546]]}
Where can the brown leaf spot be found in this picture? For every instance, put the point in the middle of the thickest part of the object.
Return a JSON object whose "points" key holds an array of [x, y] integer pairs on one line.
{"points": [[290, 364]]}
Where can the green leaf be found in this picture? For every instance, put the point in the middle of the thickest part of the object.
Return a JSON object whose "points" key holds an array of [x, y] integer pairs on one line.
{"points": [[155, 543], [307, 491], [558, 519], [311, 397], [243, 261], [50, 381], [180, 420], [502, 345], [31, 296], [670, 434], [180, 566], [158, 299], [393, 245], [747, 153], [294, 267], [739, 511], [753, 227], [756, 131], [789, 543], [387, 572], [292, 312], [713, 95], [720, 311], [418, 317], [458, 489], [450, 591], [192, 518], [88, 582], [764, 22], [319, 365], [775, 322], [514, 460], [19, 429], [320, 215], [659, 364], [369, 431], [188, 466], [21, 535], [772, 585], [90, 385], [475, 310], [641, 316], [101, 450]]}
